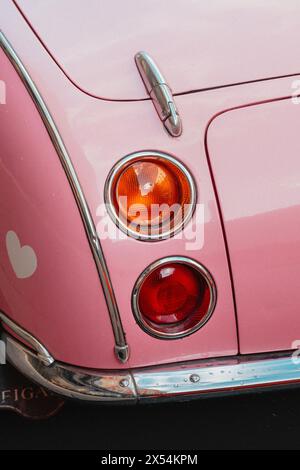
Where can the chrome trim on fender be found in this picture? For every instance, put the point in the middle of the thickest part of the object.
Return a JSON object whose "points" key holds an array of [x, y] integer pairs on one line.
{"points": [[160, 93], [117, 170], [121, 347], [168, 382], [173, 259], [42, 352], [68, 381]]}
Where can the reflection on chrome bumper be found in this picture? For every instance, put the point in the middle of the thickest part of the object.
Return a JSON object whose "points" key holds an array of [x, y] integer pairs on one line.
{"points": [[70, 381], [173, 381]]}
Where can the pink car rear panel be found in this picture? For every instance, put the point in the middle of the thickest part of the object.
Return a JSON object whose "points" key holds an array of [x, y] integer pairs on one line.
{"points": [[235, 156], [255, 157], [35, 198], [198, 44]]}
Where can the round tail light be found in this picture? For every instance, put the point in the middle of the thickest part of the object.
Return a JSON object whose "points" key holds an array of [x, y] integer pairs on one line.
{"points": [[150, 195], [173, 297]]}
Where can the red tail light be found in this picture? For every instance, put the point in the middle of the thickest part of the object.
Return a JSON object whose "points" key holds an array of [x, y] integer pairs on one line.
{"points": [[174, 297]]}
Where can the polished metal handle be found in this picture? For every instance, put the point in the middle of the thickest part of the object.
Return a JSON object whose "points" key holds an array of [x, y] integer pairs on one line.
{"points": [[160, 93]]}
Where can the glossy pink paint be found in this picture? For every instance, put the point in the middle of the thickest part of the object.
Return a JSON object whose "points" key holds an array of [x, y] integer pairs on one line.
{"points": [[198, 44], [255, 157], [97, 134], [35, 198]]}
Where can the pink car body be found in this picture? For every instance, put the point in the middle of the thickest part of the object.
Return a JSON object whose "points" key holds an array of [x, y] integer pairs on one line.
{"points": [[74, 106]]}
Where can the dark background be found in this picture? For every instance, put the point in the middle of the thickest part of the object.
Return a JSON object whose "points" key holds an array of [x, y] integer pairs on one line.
{"points": [[268, 420]]}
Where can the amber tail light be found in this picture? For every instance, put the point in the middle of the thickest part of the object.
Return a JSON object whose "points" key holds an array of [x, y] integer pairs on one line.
{"points": [[174, 297], [150, 195]]}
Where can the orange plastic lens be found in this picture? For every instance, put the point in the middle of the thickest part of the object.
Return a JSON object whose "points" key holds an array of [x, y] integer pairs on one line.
{"points": [[150, 193]]}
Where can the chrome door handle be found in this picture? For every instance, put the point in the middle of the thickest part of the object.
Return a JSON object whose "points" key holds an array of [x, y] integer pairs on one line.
{"points": [[160, 93]]}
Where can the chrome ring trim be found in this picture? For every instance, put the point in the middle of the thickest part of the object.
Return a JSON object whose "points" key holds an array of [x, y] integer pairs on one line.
{"points": [[120, 166], [43, 353], [121, 347], [136, 290], [165, 382]]}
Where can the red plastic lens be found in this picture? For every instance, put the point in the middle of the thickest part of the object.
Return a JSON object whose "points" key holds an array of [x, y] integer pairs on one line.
{"points": [[175, 297]]}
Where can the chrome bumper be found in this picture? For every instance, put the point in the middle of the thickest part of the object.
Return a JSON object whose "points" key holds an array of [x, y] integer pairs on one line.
{"points": [[173, 381]]}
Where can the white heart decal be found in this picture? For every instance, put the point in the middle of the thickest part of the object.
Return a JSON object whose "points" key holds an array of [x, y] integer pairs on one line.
{"points": [[23, 258]]}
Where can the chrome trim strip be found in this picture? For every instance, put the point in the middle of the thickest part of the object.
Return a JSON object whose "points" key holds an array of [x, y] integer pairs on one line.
{"points": [[71, 382], [217, 375], [169, 382], [121, 347], [160, 93], [120, 166], [42, 352], [173, 259]]}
